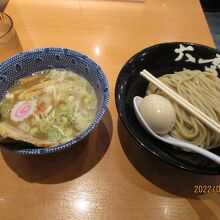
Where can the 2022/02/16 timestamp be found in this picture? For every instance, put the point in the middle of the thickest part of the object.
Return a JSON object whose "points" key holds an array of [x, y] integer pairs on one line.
{"points": [[206, 189]]}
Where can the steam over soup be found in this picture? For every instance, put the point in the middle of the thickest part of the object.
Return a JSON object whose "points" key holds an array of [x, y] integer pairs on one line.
{"points": [[53, 105]]}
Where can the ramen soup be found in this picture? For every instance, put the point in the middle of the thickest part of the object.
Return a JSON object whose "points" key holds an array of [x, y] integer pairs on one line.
{"points": [[53, 105]]}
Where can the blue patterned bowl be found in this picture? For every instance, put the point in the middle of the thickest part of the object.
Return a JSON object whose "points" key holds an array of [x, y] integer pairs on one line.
{"points": [[26, 63]]}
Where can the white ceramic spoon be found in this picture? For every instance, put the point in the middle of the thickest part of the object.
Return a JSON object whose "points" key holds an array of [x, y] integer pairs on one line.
{"points": [[170, 140]]}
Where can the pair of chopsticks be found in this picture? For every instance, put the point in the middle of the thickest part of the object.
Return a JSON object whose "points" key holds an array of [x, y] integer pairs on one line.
{"points": [[181, 101]]}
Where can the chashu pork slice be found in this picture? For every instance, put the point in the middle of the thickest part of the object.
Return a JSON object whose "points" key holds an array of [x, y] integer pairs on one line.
{"points": [[7, 130]]}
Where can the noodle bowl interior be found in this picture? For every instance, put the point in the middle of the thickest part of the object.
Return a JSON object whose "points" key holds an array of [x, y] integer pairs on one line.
{"points": [[202, 89], [54, 105]]}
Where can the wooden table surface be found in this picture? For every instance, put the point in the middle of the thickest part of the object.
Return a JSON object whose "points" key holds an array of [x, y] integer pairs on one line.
{"points": [[106, 176]]}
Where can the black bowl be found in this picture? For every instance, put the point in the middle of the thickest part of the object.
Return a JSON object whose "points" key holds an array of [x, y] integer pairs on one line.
{"points": [[159, 60]]}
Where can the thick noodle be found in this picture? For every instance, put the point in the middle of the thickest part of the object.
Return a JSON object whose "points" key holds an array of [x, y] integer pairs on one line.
{"points": [[202, 89]]}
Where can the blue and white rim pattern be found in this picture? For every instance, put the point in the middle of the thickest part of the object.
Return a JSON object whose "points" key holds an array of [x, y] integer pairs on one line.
{"points": [[65, 52]]}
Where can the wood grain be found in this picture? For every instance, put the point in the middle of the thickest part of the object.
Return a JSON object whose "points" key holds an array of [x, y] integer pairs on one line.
{"points": [[106, 176]]}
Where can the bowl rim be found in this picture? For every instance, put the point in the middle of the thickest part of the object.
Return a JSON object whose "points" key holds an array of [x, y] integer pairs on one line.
{"points": [[83, 134], [131, 131]]}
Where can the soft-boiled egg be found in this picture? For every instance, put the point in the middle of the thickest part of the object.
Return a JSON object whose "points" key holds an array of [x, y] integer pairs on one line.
{"points": [[158, 112]]}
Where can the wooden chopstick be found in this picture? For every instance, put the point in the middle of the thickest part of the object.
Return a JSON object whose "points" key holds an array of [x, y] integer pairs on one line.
{"points": [[181, 101]]}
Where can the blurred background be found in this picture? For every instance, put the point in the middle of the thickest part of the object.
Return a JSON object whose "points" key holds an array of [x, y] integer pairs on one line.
{"points": [[3, 4], [211, 10]]}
